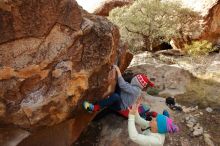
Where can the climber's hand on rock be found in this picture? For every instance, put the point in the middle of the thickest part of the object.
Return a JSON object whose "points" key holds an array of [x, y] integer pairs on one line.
{"points": [[117, 69], [112, 75]]}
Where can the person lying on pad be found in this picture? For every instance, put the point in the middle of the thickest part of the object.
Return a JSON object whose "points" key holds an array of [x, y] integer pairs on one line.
{"points": [[153, 132]]}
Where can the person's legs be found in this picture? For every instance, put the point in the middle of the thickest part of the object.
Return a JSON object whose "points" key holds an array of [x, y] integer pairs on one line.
{"points": [[142, 110], [113, 100], [102, 114], [117, 89]]}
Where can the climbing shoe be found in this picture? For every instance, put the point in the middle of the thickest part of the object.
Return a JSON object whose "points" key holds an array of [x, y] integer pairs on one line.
{"points": [[88, 106]]}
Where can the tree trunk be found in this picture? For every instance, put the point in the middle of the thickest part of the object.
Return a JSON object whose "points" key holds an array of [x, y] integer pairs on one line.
{"points": [[147, 44]]}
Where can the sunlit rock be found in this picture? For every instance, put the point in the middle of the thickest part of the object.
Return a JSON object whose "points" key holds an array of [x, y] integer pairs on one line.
{"points": [[54, 55]]}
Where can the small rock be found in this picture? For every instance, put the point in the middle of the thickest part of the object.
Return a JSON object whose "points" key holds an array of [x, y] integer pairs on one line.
{"points": [[197, 125], [201, 113], [197, 115], [189, 109], [185, 109], [198, 130], [187, 118], [191, 129], [190, 125], [184, 142], [207, 139], [192, 120], [208, 109]]}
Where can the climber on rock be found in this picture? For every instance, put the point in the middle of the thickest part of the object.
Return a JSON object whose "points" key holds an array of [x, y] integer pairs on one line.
{"points": [[124, 96], [153, 132]]}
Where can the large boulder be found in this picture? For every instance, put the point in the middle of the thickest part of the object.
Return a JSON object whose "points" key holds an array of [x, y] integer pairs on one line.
{"points": [[53, 55], [210, 10], [212, 29], [108, 5], [102, 7], [210, 14]]}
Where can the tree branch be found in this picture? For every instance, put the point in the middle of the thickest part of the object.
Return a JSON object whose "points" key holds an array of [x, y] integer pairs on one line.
{"points": [[137, 32]]}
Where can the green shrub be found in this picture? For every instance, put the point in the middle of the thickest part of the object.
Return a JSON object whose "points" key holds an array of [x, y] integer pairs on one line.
{"points": [[147, 23], [152, 91], [198, 48]]}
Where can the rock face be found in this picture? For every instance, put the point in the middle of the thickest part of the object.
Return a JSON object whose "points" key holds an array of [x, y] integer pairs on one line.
{"points": [[202, 6], [102, 7], [53, 55], [212, 29], [108, 5], [12, 136], [210, 12]]}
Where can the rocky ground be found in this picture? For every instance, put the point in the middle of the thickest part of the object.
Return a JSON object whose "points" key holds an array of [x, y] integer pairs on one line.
{"points": [[199, 127]]}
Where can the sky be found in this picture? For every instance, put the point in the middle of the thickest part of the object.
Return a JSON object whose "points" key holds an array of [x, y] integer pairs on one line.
{"points": [[197, 5], [89, 5]]}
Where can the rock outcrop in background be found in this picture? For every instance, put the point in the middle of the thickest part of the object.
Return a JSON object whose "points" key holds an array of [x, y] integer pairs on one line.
{"points": [[102, 7], [108, 5], [53, 55], [212, 30], [210, 19]]}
